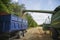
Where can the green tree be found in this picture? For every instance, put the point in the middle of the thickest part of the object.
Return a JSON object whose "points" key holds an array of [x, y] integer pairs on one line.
{"points": [[4, 6], [17, 9], [5, 1], [31, 22], [7, 6]]}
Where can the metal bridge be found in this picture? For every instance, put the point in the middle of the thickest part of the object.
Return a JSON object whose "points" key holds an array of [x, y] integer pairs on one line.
{"points": [[39, 11]]}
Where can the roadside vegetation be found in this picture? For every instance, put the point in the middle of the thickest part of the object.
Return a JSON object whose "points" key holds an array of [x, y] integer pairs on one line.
{"points": [[31, 22]]}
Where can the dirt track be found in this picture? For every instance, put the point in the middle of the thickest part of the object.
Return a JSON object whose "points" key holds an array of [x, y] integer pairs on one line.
{"points": [[36, 34]]}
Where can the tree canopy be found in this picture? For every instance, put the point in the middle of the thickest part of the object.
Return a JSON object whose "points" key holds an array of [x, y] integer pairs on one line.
{"points": [[3, 6]]}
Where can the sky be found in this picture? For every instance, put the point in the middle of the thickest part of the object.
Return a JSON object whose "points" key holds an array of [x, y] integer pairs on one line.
{"points": [[40, 5]]}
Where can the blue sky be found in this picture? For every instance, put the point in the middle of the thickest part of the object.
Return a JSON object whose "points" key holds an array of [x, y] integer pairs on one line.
{"points": [[40, 5]]}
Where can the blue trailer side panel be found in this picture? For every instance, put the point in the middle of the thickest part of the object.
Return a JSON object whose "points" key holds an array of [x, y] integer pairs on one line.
{"points": [[24, 24], [14, 26], [10, 23], [4, 23], [4, 18], [1, 24], [6, 26], [20, 23]]}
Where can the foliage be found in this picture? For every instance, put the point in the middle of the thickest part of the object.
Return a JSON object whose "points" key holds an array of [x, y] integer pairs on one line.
{"points": [[31, 22], [11, 8], [3, 8], [16, 8], [5, 1]]}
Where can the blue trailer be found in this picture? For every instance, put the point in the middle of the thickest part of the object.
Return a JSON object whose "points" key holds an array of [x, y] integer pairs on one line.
{"points": [[11, 25]]}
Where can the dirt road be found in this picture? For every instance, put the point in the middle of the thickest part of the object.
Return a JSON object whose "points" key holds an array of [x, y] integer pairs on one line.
{"points": [[36, 34]]}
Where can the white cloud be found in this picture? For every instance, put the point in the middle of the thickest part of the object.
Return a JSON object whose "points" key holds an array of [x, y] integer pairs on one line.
{"points": [[15, 0], [40, 18]]}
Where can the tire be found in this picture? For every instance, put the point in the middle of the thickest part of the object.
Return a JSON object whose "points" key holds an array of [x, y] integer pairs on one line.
{"points": [[54, 34], [18, 35], [23, 33]]}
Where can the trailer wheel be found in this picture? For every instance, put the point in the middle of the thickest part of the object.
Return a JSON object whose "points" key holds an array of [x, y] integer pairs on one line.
{"points": [[54, 33], [18, 35], [23, 33]]}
